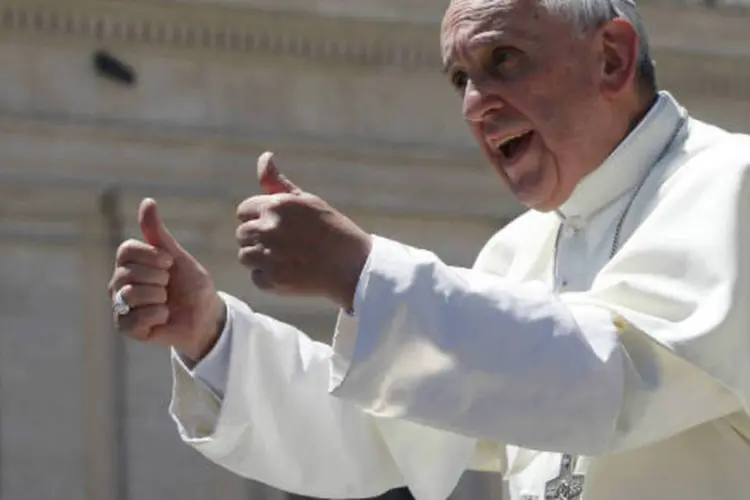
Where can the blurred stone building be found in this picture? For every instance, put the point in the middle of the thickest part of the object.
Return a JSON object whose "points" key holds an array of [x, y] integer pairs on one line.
{"points": [[347, 92]]}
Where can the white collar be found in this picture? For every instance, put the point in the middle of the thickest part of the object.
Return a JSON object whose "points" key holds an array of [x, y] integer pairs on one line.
{"points": [[629, 162]]}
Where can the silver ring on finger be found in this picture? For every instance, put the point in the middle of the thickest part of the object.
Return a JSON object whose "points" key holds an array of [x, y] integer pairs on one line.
{"points": [[119, 306]]}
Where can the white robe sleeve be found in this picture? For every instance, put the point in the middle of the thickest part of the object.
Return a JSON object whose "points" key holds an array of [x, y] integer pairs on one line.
{"points": [[475, 354], [660, 343], [278, 424]]}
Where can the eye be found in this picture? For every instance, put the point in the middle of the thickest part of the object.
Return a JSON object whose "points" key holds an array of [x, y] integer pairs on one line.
{"points": [[504, 58], [459, 79]]}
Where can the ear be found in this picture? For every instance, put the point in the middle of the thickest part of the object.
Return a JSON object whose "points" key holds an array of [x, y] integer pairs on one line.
{"points": [[618, 56]]}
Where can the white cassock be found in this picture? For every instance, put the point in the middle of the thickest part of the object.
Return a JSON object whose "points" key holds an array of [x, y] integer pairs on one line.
{"points": [[632, 372]]}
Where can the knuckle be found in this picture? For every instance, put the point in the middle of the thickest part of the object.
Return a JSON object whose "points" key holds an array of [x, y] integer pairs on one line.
{"points": [[161, 277], [159, 295], [139, 333], [145, 295], [284, 203], [155, 315], [242, 207], [277, 201], [127, 249], [120, 277], [127, 291], [126, 324], [248, 209], [245, 232], [272, 221], [245, 256], [138, 323], [141, 274], [254, 257], [241, 256]]}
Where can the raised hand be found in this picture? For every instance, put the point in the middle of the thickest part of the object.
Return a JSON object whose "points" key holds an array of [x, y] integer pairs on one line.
{"points": [[170, 296], [297, 244]]}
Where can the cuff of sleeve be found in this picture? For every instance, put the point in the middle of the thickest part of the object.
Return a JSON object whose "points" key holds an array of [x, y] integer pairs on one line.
{"points": [[213, 369], [361, 284], [349, 342], [204, 419], [344, 340], [364, 277]]}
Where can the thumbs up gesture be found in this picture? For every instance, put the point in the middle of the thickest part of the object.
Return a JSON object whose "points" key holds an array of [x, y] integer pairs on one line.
{"points": [[170, 296], [294, 243]]}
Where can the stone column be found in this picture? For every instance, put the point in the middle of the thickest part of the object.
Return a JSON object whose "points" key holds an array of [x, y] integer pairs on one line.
{"points": [[106, 477]]}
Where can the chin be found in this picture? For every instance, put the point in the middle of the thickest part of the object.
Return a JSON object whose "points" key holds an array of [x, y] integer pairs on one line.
{"points": [[538, 196], [533, 195], [539, 189], [542, 201]]}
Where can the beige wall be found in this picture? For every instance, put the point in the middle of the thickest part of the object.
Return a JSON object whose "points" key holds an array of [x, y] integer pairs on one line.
{"points": [[356, 112]]}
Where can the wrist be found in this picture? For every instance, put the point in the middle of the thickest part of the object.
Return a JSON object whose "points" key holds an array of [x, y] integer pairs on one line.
{"points": [[208, 334]]}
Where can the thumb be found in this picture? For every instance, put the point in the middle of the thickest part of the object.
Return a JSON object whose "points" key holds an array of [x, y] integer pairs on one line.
{"points": [[271, 180], [154, 231]]}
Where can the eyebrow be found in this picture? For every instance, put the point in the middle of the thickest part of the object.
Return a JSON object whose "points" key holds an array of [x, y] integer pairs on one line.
{"points": [[485, 39]]}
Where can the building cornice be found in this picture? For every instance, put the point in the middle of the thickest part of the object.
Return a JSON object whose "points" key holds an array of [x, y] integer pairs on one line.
{"points": [[230, 31], [224, 29], [231, 28]]}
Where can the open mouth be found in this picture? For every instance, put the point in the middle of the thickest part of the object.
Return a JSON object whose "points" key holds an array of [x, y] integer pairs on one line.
{"points": [[514, 146]]}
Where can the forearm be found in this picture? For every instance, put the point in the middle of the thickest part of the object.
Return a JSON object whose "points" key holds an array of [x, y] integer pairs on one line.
{"points": [[276, 422]]}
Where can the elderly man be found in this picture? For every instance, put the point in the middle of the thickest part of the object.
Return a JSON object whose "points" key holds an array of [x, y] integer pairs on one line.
{"points": [[598, 349]]}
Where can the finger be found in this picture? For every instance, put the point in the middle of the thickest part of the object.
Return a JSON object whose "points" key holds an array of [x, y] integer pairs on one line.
{"points": [[155, 232], [140, 322], [138, 252], [143, 295], [251, 233], [138, 274], [252, 208], [255, 256], [271, 179]]}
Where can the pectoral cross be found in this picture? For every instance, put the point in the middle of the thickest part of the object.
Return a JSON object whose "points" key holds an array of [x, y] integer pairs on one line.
{"points": [[566, 486]]}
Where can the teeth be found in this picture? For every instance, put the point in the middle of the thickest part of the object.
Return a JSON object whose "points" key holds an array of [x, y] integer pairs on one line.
{"points": [[506, 140]]}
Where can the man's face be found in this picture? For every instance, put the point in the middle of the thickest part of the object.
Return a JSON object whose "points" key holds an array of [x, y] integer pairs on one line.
{"points": [[531, 94]]}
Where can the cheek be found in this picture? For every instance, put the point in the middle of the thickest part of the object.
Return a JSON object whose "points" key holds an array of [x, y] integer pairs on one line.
{"points": [[558, 116], [545, 108], [555, 95], [476, 131]]}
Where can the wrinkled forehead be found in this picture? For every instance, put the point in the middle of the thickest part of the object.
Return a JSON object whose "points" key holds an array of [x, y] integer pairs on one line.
{"points": [[466, 18]]}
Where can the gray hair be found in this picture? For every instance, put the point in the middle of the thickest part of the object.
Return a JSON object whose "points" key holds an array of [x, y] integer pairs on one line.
{"points": [[589, 14]]}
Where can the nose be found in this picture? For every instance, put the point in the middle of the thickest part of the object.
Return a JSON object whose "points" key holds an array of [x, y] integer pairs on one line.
{"points": [[478, 102]]}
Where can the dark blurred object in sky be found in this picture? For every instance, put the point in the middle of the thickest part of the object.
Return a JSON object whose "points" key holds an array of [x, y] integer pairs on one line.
{"points": [[110, 66]]}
